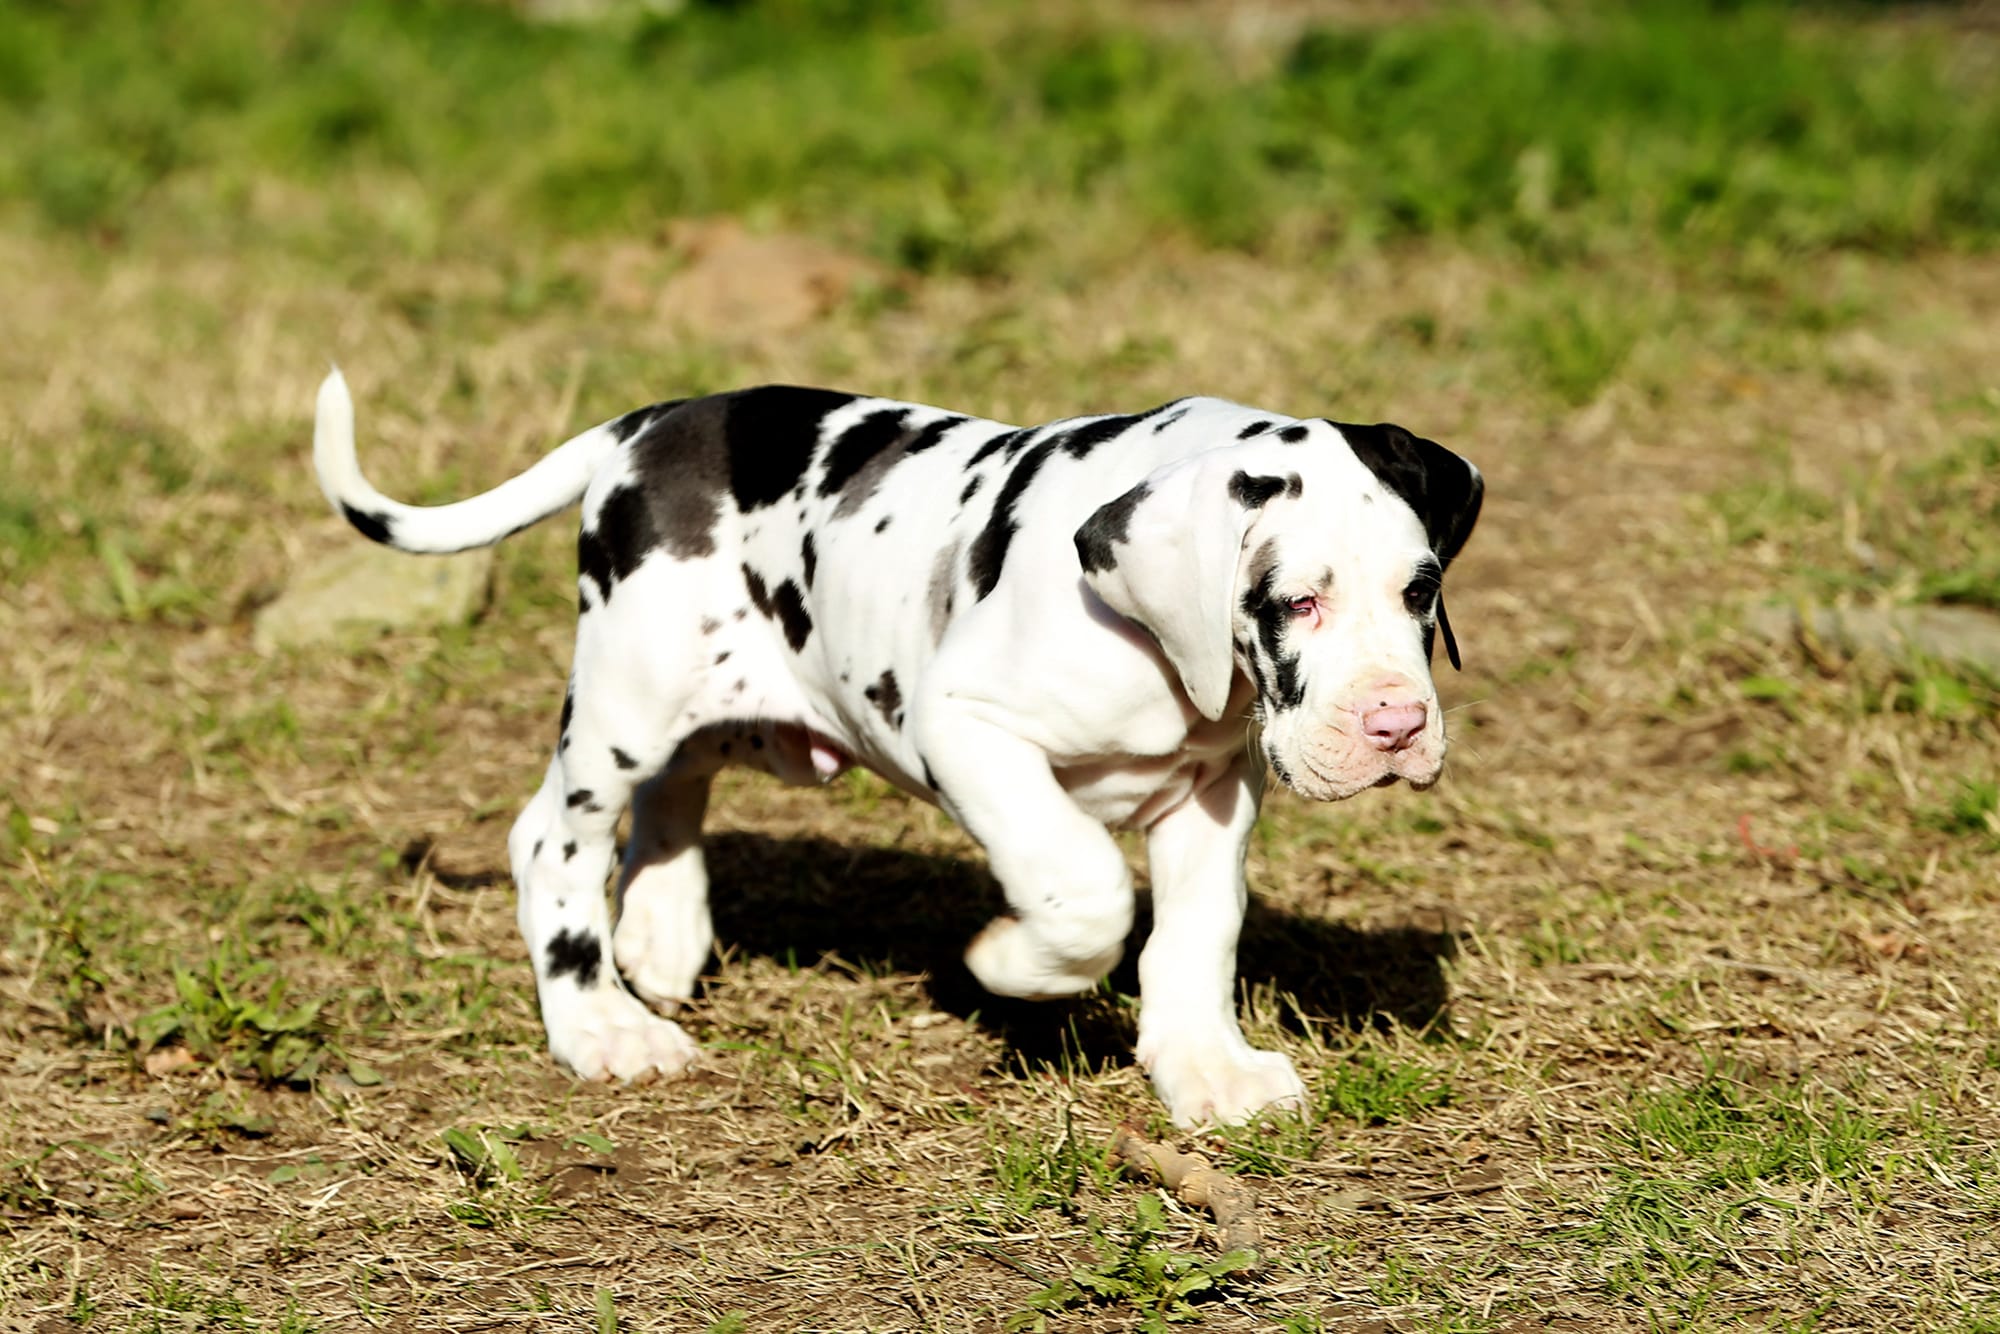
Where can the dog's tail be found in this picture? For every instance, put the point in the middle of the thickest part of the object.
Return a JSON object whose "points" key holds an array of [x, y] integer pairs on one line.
{"points": [[554, 482]]}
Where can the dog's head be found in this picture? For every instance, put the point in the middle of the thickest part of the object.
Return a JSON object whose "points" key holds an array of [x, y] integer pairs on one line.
{"points": [[1310, 559]]}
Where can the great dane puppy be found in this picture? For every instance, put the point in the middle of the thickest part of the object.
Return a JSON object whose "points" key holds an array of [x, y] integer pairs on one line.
{"points": [[1107, 621]]}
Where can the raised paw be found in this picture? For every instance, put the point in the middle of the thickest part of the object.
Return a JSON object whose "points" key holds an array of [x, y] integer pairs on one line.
{"points": [[1221, 1081], [1010, 960], [610, 1035], [660, 945]]}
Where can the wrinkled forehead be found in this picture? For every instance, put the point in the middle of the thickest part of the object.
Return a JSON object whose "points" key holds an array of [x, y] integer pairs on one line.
{"points": [[1341, 521]]}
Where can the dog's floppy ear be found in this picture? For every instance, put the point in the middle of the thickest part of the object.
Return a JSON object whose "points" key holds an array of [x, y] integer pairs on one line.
{"points": [[1443, 489], [1164, 555]]}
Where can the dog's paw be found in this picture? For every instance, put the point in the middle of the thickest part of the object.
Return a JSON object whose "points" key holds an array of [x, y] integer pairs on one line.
{"points": [[1008, 960], [609, 1035], [661, 945], [1217, 1083]]}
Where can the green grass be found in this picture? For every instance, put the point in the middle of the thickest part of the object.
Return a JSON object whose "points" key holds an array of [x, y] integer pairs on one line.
{"points": [[953, 146]]}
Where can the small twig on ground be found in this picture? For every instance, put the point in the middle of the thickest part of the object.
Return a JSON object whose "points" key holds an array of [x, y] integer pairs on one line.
{"points": [[1194, 1181]]}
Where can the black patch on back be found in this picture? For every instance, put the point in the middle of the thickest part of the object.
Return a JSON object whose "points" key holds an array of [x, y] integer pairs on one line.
{"points": [[1252, 429], [635, 421], [971, 489], [931, 434], [989, 549], [1005, 440], [791, 607], [808, 558], [887, 697], [574, 954], [771, 432], [1294, 433], [374, 527], [1168, 420], [1255, 491], [858, 444], [1110, 526], [1436, 483], [622, 760]]}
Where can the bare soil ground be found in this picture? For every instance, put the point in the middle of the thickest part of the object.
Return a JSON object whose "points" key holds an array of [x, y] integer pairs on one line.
{"points": [[1672, 1007]]}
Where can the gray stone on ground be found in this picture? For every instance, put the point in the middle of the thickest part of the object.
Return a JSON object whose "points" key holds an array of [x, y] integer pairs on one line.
{"points": [[1964, 635], [366, 588]]}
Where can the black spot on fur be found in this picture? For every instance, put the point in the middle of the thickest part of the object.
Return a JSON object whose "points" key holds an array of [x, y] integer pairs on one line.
{"points": [[622, 760], [989, 549], [1285, 689], [725, 748], [575, 954], [1168, 420], [858, 444], [1294, 433], [759, 594], [887, 698], [709, 625], [580, 797], [809, 558], [1255, 492], [374, 527], [1107, 528], [1005, 440], [971, 489], [569, 849], [568, 712], [1438, 485], [1252, 429], [756, 741], [635, 421], [722, 657], [791, 607], [882, 525], [537, 849], [771, 432], [931, 434]]}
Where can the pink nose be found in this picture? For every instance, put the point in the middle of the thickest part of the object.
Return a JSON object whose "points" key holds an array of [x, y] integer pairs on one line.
{"points": [[1393, 726]]}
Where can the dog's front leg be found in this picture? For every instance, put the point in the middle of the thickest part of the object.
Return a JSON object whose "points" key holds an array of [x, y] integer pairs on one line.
{"points": [[1202, 1067], [1064, 877]]}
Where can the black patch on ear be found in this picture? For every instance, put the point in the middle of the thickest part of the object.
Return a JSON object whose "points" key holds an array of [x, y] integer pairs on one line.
{"points": [[989, 549], [771, 433], [887, 698], [374, 527], [858, 444], [1450, 642], [1254, 492], [1442, 488], [574, 953], [809, 558], [1110, 526], [791, 608]]}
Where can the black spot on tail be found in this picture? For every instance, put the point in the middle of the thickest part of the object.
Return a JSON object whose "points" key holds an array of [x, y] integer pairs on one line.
{"points": [[374, 527], [574, 954]]}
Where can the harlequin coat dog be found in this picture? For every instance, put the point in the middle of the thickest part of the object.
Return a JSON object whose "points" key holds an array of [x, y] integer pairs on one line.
{"points": [[1107, 621]]}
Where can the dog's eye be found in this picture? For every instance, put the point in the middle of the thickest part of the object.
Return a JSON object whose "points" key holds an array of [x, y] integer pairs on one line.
{"points": [[1419, 596], [1304, 606]]}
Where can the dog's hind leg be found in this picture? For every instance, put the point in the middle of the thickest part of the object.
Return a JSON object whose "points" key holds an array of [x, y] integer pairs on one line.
{"points": [[664, 931], [562, 848]]}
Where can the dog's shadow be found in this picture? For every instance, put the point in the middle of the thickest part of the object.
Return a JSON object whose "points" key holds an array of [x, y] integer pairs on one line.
{"points": [[884, 910]]}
